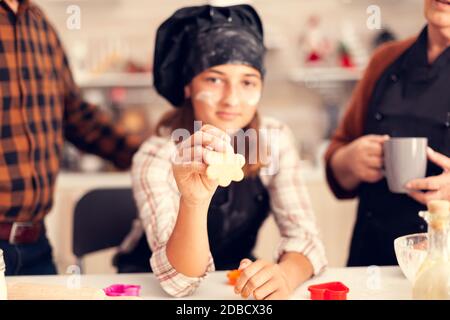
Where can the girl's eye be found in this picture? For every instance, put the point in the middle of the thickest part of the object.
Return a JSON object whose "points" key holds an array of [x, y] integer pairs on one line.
{"points": [[213, 80], [248, 83]]}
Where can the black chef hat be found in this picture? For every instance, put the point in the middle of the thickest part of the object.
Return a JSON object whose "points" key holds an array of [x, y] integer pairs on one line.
{"points": [[194, 39]]}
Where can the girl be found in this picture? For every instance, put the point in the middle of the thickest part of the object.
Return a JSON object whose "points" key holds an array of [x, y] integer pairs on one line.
{"points": [[209, 66]]}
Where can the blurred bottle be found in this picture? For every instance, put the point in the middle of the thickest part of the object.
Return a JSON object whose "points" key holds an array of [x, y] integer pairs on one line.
{"points": [[433, 278]]}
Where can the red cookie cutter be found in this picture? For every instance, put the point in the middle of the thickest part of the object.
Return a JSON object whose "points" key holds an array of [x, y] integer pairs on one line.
{"points": [[329, 291]]}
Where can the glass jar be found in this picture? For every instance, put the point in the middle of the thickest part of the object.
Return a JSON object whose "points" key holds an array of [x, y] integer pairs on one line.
{"points": [[3, 292], [433, 277]]}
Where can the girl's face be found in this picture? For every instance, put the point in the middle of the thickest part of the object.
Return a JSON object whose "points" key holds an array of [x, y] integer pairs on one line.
{"points": [[437, 13], [225, 96]]}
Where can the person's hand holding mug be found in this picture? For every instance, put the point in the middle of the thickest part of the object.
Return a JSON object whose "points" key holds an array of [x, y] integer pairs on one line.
{"points": [[359, 161], [432, 188], [191, 161]]}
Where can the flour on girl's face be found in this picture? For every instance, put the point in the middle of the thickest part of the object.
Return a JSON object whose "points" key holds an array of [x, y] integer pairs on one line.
{"points": [[251, 98], [209, 98]]}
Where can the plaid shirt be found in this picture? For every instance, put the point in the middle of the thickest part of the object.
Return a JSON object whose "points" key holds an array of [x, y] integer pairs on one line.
{"points": [[40, 105], [158, 200]]}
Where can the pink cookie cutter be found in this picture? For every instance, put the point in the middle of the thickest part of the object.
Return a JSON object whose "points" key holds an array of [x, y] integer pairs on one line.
{"points": [[117, 290]]}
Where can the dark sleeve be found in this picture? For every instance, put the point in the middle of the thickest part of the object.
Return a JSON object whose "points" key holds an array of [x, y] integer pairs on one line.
{"points": [[90, 129], [351, 127]]}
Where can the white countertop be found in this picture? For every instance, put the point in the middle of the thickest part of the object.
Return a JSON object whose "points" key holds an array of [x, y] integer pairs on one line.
{"points": [[385, 283]]}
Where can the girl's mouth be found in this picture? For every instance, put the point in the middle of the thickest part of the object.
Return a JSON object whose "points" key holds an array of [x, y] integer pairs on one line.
{"points": [[227, 115]]}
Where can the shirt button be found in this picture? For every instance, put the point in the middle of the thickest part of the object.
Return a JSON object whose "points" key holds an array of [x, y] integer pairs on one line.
{"points": [[447, 124], [259, 197], [394, 77], [378, 116], [369, 214], [422, 227]]}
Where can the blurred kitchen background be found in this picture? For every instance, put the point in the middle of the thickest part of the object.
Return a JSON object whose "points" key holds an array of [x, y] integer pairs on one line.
{"points": [[317, 51]]}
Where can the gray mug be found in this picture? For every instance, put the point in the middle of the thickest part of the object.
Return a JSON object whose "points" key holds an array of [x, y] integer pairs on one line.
{"points": [[405, 159]]}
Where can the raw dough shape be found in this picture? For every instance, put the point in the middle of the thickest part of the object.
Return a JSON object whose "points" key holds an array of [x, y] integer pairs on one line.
{"points": [[232, 276], [225, 167]]}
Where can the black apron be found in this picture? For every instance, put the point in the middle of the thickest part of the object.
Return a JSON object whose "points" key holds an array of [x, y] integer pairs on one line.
{"points": [[411, 99], [235, 216]]}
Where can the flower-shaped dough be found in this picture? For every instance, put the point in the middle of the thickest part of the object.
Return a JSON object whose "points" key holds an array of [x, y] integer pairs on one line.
{"points": [[225, 167]]}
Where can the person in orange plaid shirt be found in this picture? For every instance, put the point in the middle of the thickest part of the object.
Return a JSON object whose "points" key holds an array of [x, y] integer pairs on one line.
{"points": [[40, 105]]}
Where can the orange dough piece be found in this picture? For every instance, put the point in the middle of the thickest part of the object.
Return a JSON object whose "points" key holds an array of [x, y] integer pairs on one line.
{"points": [[232, 276]]}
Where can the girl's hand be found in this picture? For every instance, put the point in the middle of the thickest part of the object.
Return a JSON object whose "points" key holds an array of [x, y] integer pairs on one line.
{"points": [[262, 279], [192, 159], [432, 188]]}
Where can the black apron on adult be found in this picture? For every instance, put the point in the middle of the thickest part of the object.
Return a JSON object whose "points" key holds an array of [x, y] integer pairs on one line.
{"points": [[411, 99], [235, 216]]}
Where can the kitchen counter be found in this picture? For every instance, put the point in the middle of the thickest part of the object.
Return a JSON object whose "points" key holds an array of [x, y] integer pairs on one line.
{"points": [[372, 283]]}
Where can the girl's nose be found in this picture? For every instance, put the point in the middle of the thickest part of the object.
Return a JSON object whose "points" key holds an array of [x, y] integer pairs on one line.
{"points": [[231, 97]]}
